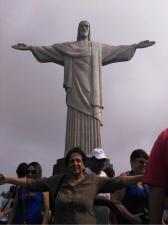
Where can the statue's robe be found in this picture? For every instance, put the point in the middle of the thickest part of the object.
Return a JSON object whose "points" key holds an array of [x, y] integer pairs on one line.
{"points": [[82, 63]]}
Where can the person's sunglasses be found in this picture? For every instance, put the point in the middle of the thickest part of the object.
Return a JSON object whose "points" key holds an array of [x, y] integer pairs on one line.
{"points": [[31, 171]]}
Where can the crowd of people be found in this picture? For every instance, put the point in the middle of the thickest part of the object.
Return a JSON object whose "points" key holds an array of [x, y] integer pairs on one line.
{"points": [[90, 193]]}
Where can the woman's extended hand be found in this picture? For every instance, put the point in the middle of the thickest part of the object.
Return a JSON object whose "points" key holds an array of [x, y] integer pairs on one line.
{"points": [[2, 179]]}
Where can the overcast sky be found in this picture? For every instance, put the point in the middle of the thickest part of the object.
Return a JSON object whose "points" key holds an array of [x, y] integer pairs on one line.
{"points": [[32, 99]]}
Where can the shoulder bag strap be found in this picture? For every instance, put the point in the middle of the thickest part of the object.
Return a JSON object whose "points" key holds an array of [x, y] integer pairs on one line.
{"points": [[62, 178], [5, 205]]}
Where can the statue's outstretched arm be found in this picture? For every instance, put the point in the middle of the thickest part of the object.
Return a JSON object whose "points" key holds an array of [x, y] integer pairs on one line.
{"points": [[145, 44], [21, 46], [43, 54]]}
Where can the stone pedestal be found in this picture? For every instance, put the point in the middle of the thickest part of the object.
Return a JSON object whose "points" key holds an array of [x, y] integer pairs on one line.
{"points": [[59, 167]]}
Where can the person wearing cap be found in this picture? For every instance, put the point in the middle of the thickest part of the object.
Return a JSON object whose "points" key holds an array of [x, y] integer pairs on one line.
{"points": [[97, 164]]}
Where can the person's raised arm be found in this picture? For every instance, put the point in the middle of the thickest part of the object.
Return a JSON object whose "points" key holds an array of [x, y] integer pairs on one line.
{"points": [[127, 180], [13, 180], [21, 46], [145, 44], [106, 185]]}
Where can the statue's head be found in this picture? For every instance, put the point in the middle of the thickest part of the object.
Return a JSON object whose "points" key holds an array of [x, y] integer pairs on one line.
{"points": [[83, 31]]}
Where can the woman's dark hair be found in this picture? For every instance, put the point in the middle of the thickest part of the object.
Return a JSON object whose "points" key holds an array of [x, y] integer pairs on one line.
{"points": [[137, 153], [38, 169], [75, 150], [21, 170]]}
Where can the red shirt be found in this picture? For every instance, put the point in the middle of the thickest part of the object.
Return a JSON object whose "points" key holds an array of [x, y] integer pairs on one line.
{"points": [[156, 172]]}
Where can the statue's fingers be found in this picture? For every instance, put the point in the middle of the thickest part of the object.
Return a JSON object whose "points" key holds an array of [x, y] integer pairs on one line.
{"points": [[152, 42], [15, 46], [146, 41], [21, 44]]}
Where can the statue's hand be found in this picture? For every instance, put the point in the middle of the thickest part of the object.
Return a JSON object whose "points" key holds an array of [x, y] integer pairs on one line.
{"points": [[145, 44], [2, 179], [21, 46]]}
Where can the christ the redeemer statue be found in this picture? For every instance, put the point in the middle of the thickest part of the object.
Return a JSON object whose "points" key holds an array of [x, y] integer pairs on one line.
{"points": [[82, 61]]}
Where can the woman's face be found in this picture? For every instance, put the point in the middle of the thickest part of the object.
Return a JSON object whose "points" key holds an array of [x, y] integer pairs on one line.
{"points": [[31, 172], [138, 165], [76, 164]]}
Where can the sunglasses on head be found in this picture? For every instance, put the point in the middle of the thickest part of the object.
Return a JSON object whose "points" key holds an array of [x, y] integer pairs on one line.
{"points": [[31, 171]]}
